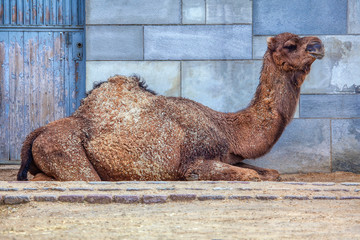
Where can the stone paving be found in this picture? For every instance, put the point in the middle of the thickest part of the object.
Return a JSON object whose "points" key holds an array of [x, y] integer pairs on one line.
{"points": [[154, 192]]}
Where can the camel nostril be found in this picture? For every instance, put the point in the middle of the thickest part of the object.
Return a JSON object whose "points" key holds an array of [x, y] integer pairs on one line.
{"points": [[314, 47]]}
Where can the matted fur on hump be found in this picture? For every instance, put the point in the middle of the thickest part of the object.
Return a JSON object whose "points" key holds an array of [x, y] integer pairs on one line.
{"points": [[141, 82], [119, 95]]}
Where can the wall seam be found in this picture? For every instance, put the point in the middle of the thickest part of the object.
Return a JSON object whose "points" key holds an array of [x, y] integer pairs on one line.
{"points": [[331, 147], [347, 17], [143, 42]]}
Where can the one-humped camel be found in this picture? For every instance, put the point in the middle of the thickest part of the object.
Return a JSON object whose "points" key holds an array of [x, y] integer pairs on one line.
{"points": [[124, 132]]}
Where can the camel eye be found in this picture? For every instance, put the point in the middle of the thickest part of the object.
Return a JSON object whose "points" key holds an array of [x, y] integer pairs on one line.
{"points": [[291, 47]]}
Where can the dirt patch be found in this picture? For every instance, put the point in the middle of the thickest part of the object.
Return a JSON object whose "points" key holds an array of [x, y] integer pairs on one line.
{"points": [[322, 177], [196, 220], [9, 172]]}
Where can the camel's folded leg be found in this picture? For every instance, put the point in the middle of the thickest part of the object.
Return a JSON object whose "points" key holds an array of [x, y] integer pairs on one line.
{"points": [[219, 171], [265, 174]]}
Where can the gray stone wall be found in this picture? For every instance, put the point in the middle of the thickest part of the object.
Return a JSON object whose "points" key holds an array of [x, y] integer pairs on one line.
{"points": [[211, 51]]}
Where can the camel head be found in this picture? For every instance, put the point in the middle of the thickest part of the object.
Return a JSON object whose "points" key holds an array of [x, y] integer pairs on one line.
{"points": [[290, 52]]}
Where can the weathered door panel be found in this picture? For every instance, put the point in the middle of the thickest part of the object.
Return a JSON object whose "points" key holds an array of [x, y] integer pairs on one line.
{"points": [[4, 96], [42, 67], [17, 104]]}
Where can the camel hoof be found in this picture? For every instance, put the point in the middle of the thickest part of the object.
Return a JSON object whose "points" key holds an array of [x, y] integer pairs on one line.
{"points": [[270, 175]]}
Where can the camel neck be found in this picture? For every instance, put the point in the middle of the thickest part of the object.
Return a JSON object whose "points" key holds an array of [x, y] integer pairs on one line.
{"points": [[277, 94], [261, 124]]}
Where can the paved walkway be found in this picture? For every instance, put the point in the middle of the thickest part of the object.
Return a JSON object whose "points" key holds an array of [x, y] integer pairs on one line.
{"points": [[179, 210], [162, 192]]}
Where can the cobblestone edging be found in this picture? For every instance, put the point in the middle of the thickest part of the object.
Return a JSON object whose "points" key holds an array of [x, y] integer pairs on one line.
{"points": [[165, 192]]}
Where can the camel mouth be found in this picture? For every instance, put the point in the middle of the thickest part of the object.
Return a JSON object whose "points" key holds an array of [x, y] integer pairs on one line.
{"points": [[317, 55]]}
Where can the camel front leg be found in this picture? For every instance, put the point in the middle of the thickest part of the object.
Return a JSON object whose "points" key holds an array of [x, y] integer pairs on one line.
{"points": [[219, 171], [265, 174]]}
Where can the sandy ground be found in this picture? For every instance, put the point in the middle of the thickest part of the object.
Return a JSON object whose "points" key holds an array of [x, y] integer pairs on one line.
{"points": [[196, 220], [227, 219]]}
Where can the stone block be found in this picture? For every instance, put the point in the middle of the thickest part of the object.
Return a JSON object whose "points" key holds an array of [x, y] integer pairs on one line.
{"points": [[149, 199], [165, 188], [266, 197], [114, 43], [211, 197], [137, 189], [109, 189], [157, 182], [292, 197], [323, 184], [228, 11], [336, 190], [133, 12], [197, 42], [16, 199], [300, 17], [182, 197], [226, 86], [9, 189], [303, 147], [102, 199], [338, 71], [353, 17], [222, 188], [103, 182], [81, 189], [195, 189], [246, 189], [346, 144], [330, 106], [45, 198], [162, 77], [193, 11], [350, 198], [350, 184], [127, 199], [238, 182], [296, 183], [71, 198], [240, 197], [59, 189], [324, 198]]}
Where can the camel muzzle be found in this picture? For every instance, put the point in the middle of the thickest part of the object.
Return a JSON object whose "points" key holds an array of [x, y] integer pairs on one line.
{"points": [[316, 49]]}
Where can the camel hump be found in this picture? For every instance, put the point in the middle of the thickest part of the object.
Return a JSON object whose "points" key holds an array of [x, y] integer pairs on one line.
{"points": [[131, 82], [118, 79]]}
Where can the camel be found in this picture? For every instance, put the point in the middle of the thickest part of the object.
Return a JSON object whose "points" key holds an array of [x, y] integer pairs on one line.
{"points": [[123, 131]]}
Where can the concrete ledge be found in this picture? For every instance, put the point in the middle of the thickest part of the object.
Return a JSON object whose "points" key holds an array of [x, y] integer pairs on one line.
{"points": [[172, 192]]}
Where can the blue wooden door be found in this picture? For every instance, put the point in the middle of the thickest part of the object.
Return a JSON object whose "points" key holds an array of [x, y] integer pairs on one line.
{"points": [[42, 67]]}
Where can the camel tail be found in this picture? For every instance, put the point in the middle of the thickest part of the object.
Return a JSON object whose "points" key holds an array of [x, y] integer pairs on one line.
{"points": [[26, 154]]}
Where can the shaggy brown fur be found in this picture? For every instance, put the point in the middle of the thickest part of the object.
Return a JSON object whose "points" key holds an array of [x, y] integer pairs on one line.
{"points": [[124, 132]]}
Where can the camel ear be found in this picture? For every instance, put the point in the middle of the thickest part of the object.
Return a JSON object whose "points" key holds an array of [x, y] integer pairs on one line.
{"points": [[271, 43]]}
